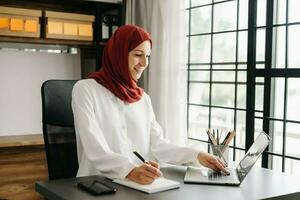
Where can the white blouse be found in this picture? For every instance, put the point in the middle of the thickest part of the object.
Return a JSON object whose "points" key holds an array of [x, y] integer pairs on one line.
{"points": [[108, 130]]}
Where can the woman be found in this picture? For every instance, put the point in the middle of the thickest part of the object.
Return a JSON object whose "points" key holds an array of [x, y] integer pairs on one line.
{"points": [[114, 117]]}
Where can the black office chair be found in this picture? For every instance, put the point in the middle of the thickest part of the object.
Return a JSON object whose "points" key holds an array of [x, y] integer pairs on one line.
{"points": [[58, 128]]}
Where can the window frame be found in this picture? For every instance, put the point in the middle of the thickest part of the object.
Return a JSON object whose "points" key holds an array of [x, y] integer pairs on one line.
{"points": [[267, 74]]}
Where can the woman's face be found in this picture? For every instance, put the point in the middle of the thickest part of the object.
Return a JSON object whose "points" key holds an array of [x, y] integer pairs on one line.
{"points": [[138, 59]]}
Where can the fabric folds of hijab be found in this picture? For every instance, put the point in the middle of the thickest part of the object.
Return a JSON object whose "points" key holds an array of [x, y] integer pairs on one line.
{"points": [[114, 74]]}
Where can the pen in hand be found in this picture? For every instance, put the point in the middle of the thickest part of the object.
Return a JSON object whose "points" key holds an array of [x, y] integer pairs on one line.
{"points": [[140, 157], [145, 161]]}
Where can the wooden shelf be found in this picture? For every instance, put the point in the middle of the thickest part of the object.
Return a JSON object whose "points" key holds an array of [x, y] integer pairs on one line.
{"points": [[37, 41], [45, 41], [21, 140]]}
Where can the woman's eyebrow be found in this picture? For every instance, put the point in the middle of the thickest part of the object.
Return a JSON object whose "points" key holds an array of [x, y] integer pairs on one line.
{"points": [[139, 50], [142, 51]]}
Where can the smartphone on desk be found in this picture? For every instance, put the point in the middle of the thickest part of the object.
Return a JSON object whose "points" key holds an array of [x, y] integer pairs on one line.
{"points": [[96, 187]]}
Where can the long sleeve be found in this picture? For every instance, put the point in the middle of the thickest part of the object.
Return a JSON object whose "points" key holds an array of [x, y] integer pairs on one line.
{"points": [[165, 151], [91, 139]]}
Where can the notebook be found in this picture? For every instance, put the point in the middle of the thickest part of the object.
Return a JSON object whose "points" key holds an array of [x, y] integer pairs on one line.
{"points": [[160, 184], [237, 175]]}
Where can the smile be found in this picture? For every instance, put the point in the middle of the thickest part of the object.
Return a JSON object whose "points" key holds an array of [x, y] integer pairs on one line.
{"points": [[138, 71]]}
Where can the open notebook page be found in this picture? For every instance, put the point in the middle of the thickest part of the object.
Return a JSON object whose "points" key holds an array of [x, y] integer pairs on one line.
{"points": [[160, 184]]}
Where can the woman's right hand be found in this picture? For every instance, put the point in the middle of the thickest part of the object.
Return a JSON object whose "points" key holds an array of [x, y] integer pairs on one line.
{"points": [[145, 174]]}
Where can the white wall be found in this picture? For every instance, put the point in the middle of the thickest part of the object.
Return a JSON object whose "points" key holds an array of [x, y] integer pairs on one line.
{"points": [[21, 76]]}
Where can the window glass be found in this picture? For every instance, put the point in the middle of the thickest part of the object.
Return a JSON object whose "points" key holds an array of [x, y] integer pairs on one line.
{"points": [[293, 99], [258, 114], [293, 139], [261, 12], [225, 16], [224, 47], [293, 46], [222, 118], [279, 47], [260, 44], [258, 126], [292, 166], [200, 49], [276, 132], [199, 93], [259, 80], [259, 97], [198, 122], [200, 2], [279, 12], [201, 20], [222, 95], [277, 98], [240, 137], [242, 46], [242, 66], [276, 164], [243, 14], [241, 96], [242, 76], [226, 76], [199, 75], [260, 66], [294, 15]]}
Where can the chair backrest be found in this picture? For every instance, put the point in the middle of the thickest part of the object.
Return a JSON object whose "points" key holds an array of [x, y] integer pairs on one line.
{"points": [[58, 128]]}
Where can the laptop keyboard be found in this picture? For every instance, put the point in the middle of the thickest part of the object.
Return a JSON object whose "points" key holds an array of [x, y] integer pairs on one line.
{"points": [[220, 176], [195, 175], [215, 175]]}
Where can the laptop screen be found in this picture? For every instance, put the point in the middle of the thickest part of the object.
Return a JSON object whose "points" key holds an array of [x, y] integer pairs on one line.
{"points": [[259, 145]]}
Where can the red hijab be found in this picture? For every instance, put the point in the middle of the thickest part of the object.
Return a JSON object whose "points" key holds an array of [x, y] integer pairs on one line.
{"points": [[114, 74]]}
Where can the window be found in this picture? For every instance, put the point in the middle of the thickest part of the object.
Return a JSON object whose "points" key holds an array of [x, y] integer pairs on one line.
{"points": [[246, 78]]}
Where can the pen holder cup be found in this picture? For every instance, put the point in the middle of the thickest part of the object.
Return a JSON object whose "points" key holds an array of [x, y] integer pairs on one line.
{"points": [[221, 151]]}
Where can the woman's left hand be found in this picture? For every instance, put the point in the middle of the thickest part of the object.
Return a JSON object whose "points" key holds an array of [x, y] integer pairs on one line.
{"points": [[212, 162]]}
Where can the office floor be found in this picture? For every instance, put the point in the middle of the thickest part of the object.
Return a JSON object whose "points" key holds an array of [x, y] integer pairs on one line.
{"points": [[20, 167]]}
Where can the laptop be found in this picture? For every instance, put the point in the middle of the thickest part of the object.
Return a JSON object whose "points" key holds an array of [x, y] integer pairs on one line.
{"points": [[238, 174]]}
